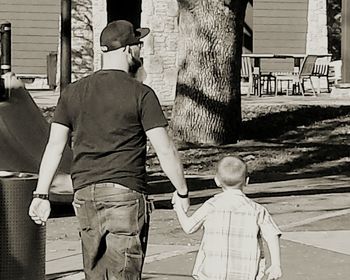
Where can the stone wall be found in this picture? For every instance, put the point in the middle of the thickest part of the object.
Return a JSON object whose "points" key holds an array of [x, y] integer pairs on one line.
{"points": [[160, 49], [83, 41], [317, 36]]}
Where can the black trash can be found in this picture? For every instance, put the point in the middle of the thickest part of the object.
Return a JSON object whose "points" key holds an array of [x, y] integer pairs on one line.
{"points": [[22, 242]]}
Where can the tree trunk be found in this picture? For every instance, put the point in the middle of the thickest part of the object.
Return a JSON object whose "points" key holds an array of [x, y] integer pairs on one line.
{"points": [[207, 107]]}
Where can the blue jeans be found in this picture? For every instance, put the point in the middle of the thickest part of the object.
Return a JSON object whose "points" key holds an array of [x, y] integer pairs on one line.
{"points": [[114, 223]]}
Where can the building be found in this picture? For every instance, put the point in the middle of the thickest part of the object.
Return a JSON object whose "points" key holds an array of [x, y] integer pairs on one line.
{"points": [[35, 29], [289, 26]]}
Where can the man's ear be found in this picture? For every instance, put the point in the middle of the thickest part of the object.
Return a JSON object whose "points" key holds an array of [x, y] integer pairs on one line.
{"points": [[126, 49], [217, 182], [128, 53]]}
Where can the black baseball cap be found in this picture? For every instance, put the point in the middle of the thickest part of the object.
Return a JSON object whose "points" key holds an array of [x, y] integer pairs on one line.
{"points": [[120, 33]]}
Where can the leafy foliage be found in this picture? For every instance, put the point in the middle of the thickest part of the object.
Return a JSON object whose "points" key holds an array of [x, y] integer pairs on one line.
{"points": [[334, 28]]}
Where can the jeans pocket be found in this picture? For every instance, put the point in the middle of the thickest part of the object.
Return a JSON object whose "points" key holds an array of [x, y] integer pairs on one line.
{"points": [[133, 259], [122, 217], [133, 266], [81, 212]]}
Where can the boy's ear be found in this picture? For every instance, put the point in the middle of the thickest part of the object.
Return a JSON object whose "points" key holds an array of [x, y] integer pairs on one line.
{"points": [[217, 182]]}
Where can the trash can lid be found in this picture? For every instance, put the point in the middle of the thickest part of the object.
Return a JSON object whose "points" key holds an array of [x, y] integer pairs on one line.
{"points": [[5, 174], [11, 174]]}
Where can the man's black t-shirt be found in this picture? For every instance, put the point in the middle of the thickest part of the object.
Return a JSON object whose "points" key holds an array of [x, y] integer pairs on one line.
{"points": [[108, 113]]}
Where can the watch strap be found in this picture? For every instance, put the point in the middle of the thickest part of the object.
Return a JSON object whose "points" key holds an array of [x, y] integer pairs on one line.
{"points": [[182, 195], [41, 195]]}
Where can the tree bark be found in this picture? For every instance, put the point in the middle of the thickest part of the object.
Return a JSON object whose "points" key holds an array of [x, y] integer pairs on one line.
{"points": [[207, 107]]}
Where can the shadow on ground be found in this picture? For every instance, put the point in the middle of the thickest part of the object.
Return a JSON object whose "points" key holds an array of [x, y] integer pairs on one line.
{"points": [[272, 125], [306, 142], [163, 186]]}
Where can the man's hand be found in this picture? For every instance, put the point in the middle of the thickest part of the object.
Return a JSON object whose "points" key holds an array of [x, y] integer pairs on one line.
{"points": [[39, 210], [273, 272], [183, 203], [11, 81]]}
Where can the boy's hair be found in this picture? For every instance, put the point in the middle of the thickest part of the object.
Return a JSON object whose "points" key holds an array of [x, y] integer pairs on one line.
{"points": [[231, 170]]}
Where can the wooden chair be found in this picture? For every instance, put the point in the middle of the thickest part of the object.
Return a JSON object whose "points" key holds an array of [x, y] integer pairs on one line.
{"points": [[247, 73], [321, 69], [297, 79]]}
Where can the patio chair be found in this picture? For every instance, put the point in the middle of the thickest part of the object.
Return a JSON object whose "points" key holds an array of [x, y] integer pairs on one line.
{"points": [[321, 69], [247, 73], [297, 79], [267, 79], [256, 81], [334, 75]]}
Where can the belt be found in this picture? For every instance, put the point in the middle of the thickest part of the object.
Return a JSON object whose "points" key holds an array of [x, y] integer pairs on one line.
{"points": [[114, 185]]}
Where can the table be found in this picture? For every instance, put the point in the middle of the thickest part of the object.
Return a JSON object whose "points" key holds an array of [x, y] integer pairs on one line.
{"points": [[257, 61]]}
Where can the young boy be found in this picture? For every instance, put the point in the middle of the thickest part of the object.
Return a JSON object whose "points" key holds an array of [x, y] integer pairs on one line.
{"points": [[231, 246]]}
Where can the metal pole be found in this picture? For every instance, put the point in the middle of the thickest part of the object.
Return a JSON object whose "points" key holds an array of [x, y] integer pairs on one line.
{"points": [[5, 29], [66, 51], [345, 41], [5, 58]]}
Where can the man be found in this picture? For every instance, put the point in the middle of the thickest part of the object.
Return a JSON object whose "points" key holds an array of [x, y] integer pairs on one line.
{"points": [[109, 115]]}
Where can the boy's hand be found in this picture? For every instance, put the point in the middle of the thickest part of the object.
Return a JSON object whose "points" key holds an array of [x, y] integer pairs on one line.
{"points": [[273, 272], [174, 200], [180, 203]]}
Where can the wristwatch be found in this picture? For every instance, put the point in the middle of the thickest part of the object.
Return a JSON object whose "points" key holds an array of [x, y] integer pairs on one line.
{"points": [[182, 195], [40, 195]]}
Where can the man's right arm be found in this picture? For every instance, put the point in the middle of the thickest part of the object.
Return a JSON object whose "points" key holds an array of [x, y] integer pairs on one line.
{"points": [[169, 160], [39, 209]]}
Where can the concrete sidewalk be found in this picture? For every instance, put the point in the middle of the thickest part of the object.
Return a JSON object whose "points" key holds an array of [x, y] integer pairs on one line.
{"points": [[320, 254], [315, 255]]}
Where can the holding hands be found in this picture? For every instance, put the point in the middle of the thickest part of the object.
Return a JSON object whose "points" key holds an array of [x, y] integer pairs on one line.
{"points": [[180, 203]]}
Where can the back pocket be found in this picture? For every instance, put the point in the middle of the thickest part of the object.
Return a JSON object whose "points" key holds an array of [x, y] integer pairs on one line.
{"points": [[121, 217]]}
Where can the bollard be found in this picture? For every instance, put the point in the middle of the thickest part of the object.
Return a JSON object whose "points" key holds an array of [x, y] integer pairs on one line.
{"points": [[22, 242], [5, 29], [5, 58], [3, 92]]}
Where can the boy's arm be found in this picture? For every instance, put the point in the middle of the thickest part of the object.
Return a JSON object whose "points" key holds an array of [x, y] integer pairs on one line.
{"points": [[193, 223], [274, 271], [184, 220], [271, 233]]}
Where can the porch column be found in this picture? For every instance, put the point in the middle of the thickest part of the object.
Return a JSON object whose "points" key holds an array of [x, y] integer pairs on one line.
{"points": [[99, 21], [317, 35], [66, 45], [345, 41]]}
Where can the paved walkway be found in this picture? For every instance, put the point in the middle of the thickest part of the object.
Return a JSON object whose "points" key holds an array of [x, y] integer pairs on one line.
{"points": [[315, 255], [306, 255], [45, 98]]}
